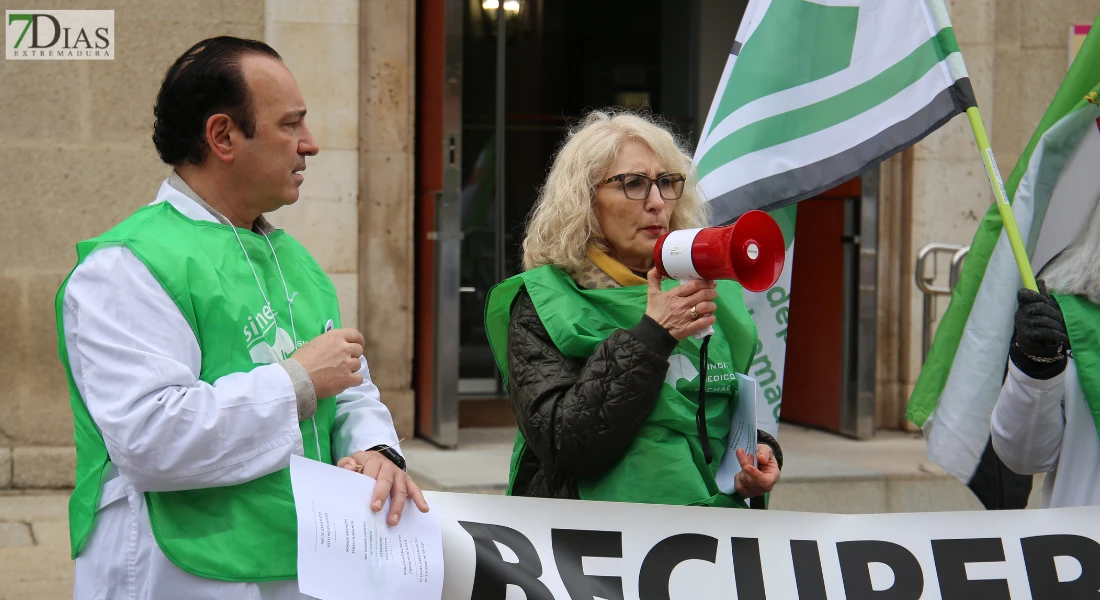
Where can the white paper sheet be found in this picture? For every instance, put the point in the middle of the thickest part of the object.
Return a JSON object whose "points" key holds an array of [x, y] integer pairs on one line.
{"points": [[347, 551], [742, 434]]}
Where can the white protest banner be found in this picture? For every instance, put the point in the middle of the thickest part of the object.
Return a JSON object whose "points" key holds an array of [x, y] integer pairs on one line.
{"points": [[498, 548]]}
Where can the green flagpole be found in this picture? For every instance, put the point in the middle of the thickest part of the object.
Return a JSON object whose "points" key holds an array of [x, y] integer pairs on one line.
{"points": [[1001, 198]]}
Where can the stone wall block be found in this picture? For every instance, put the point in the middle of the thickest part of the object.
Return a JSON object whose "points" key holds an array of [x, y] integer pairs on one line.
{"points": [[325, 60], [63, 195], [1046, 23], [41, 99], [13, 353], [347, 290], [308, 11], [973, 20], [122, 92], [386, 223], [43, 467], [5, 468], [47, 417]]}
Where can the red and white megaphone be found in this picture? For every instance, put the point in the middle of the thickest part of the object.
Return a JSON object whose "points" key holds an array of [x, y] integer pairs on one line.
{"points": [[749, 251]]}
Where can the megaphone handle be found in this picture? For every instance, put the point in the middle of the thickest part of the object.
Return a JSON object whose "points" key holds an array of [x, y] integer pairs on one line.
{"points": [[710, 328]]}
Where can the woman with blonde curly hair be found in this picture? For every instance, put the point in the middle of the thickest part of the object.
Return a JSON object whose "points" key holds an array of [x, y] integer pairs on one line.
{"points": [[598, 353]]}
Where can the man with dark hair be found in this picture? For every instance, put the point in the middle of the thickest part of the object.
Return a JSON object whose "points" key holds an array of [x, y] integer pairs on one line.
{"points": [[204, 349]]}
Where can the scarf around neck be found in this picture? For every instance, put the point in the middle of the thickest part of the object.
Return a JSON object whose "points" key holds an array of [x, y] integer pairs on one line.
{"points": [[601, 272]]}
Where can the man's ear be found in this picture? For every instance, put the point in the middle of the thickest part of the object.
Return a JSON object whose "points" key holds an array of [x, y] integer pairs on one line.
{"points": [[221, 133]]}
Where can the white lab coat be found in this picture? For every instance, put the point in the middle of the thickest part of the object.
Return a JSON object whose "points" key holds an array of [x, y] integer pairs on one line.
{"points": [[1045, 426], [135, 361]]}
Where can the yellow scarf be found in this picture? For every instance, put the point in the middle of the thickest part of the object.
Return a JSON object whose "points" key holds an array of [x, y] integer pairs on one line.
{"points": [[602, 272]]}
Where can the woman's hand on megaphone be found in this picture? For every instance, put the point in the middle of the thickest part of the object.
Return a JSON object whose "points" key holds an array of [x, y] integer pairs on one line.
{"points": [[672, 309]]}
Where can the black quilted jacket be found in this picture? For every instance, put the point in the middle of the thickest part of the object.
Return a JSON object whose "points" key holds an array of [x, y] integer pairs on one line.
{"points": [[579, 417]]}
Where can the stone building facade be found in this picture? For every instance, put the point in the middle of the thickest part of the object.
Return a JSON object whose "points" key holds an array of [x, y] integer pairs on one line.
{"points": [[76, 157]]}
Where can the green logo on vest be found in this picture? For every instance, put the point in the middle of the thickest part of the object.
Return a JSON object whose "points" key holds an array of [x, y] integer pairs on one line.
{"points": [[255, 334], [680, 367]]}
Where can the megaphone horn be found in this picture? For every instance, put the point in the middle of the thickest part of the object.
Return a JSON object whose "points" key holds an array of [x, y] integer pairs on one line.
{"points": [[750, 251]]}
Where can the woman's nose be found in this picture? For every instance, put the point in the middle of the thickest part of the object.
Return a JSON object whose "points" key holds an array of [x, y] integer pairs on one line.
{"points": [[654, 202]]}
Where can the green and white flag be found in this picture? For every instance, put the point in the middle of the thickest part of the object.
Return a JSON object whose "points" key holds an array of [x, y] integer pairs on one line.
{"points": [[1052, 189], [813, 94]]}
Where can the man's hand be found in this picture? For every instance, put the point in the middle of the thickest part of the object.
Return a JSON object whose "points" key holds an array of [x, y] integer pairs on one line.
{"points": [[332, 361], [392, 482], [751, 481]]}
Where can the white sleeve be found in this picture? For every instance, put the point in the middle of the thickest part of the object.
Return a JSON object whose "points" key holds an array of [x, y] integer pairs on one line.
{"points": [[1028, 422], [362, 421], [135, 361]]}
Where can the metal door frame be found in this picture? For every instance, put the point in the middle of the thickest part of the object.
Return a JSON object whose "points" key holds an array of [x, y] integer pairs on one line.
{"points": [[860, 314], [446, 235]]}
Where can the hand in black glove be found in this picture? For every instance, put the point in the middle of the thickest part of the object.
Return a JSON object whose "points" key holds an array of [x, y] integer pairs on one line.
{"points": [[1040, 334]]}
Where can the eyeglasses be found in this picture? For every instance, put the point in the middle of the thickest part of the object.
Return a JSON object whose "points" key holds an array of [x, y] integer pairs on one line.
{"points": [[637, 186]]}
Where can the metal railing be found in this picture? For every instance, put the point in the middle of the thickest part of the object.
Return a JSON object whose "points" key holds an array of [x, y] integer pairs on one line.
{"points": [[926, 283]]}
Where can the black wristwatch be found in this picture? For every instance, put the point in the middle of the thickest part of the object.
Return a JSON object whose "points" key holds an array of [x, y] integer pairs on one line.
{"points": [[391, 454]]}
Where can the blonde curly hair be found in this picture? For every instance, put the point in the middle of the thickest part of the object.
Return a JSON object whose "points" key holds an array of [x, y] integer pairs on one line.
{"points": [[564, 223]]}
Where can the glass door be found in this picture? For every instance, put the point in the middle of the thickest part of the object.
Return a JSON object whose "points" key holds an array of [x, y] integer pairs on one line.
{"points": [[500, 83], [531, 69], [481, 258]]}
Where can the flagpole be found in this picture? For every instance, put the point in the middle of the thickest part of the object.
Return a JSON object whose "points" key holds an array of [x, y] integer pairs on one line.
{"points": [[1011, 229]]}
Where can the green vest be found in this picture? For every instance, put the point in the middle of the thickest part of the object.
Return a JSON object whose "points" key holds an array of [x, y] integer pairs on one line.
{"points": [[1083, 326], [245, 532], [664, 464]]}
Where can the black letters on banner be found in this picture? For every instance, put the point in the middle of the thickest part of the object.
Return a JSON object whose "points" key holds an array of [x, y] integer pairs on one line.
{"points": [[1042, 575], [808, 577], [855, 558], [951, 557], [665, 555], [492, 574], [570, 548], [748, 573]]}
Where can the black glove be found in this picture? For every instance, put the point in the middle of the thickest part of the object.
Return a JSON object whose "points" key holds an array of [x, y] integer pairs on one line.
{"points": [[1039, 346]]}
